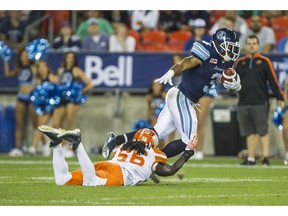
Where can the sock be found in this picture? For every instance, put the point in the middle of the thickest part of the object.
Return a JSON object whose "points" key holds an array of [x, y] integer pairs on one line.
{"points": [[154, 130], [86, 165], [60, 166], [174, 148], [130, 135], [120, 139], [251, 159]]}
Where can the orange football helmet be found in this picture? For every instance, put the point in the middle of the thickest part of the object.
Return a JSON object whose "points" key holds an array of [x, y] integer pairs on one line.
{"points": [[147, 136]]}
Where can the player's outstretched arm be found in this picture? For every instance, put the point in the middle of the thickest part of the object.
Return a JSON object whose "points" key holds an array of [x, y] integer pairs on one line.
{"points": [[163, 169], [185, 64]]}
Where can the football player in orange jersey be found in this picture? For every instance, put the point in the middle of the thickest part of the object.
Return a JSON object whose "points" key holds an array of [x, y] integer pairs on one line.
{"points": [[132, 163]]}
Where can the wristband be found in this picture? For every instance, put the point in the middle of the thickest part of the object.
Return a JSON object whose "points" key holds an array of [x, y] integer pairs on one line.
{"points": [[187, 154], [171, 73]]}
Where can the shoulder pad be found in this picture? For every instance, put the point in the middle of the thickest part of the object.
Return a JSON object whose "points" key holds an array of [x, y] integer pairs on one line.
{"points": [[201, 50]]}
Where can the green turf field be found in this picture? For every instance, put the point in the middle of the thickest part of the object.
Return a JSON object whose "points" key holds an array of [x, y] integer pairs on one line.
{"points": [[213, 181]]}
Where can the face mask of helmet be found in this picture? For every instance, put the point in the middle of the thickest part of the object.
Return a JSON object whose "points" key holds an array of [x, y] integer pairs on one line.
{"points": [[232, 50], [227, 49]]}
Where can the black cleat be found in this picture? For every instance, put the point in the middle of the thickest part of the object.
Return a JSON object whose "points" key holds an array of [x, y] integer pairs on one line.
{"points": [[265, 161], [109, 145], [248, 163], [52, 133], [72, 136]]}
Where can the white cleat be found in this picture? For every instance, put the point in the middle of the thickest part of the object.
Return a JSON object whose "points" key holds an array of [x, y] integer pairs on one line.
{"points": [[32, 150], [15, 153]]}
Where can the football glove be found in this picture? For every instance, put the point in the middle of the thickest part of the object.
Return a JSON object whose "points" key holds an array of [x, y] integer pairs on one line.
{"points": [[167, 77], [235, 85]]}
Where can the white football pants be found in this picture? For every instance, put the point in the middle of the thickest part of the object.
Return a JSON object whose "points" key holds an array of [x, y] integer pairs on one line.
{"points": [[178, 113]]}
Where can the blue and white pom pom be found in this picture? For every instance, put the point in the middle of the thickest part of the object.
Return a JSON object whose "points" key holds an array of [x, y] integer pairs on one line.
{"points": [[158, 109], [278, 118], [46, 97], [141, 123], [5, 52], [72, 93], [38, 49]]}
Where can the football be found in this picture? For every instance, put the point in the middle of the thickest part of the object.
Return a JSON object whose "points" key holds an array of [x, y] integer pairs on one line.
{"points": [[228, 74]]}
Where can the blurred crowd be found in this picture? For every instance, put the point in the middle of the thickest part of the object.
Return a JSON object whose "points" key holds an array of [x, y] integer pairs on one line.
{"points": [[140, 30]]}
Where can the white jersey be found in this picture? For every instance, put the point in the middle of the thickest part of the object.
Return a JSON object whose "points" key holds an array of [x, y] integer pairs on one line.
{"points": [[137, 168]]}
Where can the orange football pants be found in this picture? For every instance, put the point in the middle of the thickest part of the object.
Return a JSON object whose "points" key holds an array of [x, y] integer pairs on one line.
{"points": [[110, 171]]}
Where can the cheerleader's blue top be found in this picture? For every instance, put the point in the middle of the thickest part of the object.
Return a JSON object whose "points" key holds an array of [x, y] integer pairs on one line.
{"points": [[25, 76], [66, 77]]}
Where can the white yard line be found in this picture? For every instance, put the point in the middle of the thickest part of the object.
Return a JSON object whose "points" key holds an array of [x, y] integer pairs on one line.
{"points": [[167, 180], [218, 180], [196, 196], [41, 162], [33, 180], [25, 168], [42, 178], [5, 177], [105, 200], [22, 182], [33, 162], [24, 162], [235, 166]]}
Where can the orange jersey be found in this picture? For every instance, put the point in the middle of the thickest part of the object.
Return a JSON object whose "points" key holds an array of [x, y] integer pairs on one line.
{"points": [[137, 168]]}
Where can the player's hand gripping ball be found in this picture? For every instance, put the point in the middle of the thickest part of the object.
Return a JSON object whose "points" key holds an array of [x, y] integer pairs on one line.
{"points": [[231, 80], [228, 75]]}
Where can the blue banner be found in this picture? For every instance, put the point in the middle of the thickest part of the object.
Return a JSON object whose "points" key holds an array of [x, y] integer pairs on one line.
{"points": [[280, 64], [106, 70], [130, 71]]}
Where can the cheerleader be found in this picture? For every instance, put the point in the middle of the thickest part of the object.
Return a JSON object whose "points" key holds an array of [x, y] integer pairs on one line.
{"points": [[70, 73], [24, 71], [44, 76]]}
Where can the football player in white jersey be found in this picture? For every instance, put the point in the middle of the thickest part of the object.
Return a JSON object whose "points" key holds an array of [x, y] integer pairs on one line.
{"points": [[132, 163]]}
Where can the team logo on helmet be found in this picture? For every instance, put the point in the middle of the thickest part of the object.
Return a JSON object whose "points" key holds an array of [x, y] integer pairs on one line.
{"points": [[220, 35]]}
